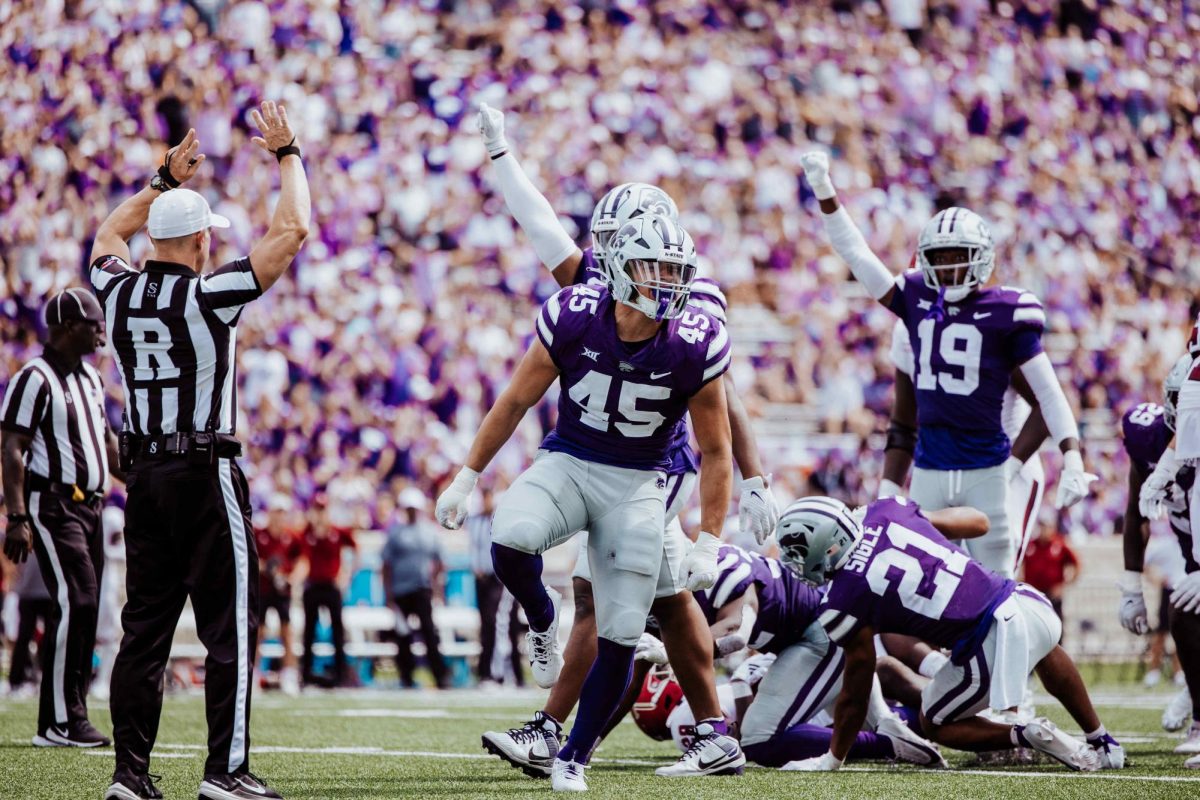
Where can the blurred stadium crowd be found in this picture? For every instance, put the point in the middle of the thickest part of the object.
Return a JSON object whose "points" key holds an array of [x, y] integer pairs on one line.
{"points": [[1071, 127]]}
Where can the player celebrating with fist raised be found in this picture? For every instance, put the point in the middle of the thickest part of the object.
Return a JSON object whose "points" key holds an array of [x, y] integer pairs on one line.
{"points": [[968, 339]]}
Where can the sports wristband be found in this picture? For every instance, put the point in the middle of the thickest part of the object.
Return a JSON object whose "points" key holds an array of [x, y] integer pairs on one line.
{"points": [[289, 149], [15, 517], [164, 172]]}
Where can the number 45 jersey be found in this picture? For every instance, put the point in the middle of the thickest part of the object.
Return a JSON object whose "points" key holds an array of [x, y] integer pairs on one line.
{"points": [[620, 401], [965, 354], [905, 577]]}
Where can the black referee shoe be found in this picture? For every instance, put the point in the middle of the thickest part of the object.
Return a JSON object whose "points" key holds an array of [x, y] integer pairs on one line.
{"points": [[79, 733], [240, 785], [127, 786]]}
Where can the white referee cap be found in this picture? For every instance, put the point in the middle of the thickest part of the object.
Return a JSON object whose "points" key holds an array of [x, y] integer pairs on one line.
{"points": [[179, 212]]}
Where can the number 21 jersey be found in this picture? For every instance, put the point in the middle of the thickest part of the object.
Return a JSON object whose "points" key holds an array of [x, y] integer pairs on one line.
{"points": [[905, 577], [621, 401], [965, 354]]}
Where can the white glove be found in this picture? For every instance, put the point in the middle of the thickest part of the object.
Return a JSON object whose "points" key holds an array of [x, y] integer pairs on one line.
{"points": [[1012, 467], [451, 507], [753, 669], [1186, 596], [649, 648], [1154, 490], [1132, 610], [1073, 482], [757, 510], [491, 127], [816, 172], [889, 488], [826, 763], [700, 566]]}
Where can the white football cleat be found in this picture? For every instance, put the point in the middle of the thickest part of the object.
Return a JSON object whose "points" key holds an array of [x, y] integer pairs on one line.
{"points": [[531, 748], [1191, 743], [1110, 752], [545, 656], [567, 776], [1193, 762], [1178, 711], [910, 748], [1044, 736], [711, 753]]}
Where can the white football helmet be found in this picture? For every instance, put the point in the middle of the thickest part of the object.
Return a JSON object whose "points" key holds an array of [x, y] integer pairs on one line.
{"points": [[957, 228], [1173, 385], [652, 252], [816, 536], [620, 205]]}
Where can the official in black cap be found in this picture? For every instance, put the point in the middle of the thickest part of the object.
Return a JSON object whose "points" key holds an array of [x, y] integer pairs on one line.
{"points": [[58, 452]]}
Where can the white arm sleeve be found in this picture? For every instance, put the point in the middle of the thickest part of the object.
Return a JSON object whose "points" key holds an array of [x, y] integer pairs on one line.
{"points": [[1046, 388], [849, 243], [532, 212]]}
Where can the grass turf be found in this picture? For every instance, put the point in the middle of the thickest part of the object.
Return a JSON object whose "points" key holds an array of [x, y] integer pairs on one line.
{"points": [[360, 746]]}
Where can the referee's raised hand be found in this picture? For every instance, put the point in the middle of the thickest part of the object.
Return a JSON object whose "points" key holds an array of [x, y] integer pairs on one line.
{"points": [[272, 121], [185, 158]]}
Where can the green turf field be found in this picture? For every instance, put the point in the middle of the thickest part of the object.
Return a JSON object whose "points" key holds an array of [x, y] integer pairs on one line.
{"points": [[417, 744]]}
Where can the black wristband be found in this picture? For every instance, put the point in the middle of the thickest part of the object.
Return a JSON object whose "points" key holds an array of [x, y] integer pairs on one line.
{"points": [[287, 150], [164, 172], [24, 517], [901, 437]]}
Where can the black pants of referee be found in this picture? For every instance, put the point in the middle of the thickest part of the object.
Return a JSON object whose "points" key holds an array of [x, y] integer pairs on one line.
{"points": [[69, 542], [187, 534]]}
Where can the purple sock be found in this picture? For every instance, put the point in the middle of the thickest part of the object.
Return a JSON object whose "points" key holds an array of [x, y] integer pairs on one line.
{"points": [[521, 574], [809, 741], [719, 725], [603, 688]]}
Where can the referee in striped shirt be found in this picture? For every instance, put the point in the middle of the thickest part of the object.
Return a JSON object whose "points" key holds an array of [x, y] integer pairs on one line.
{"points": [[57, 453], [173, 327]]}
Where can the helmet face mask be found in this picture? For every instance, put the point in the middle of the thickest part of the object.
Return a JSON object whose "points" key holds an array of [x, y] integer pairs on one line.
{"points": [[816, 537], [652, 264], [619, 206], [956, 253], [1173, 385]]}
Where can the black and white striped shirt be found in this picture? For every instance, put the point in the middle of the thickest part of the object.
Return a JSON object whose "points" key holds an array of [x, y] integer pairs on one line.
{"points": [[174, 335], [63, 410]]}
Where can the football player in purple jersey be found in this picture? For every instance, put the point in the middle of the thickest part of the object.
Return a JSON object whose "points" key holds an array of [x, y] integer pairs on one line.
{"points": [[889, 570], [1147, 431], [968, 338], [1022, 422], [630, 364], [532, 746], [758, 603]]}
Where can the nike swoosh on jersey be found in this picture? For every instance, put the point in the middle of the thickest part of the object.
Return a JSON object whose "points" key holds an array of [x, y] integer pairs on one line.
{"points": [[656, 375], [984, 315]]}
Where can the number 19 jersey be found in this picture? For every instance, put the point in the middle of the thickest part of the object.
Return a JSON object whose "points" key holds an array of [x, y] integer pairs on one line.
{"points": [[965, 354], [620, 402], [905, 577]]}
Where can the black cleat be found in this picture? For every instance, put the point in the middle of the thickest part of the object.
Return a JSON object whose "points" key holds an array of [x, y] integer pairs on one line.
{"points": [[79, 733], [240, 785], [127, 786]]}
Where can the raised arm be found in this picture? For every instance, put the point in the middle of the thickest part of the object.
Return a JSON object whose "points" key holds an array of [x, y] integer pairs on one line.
{"points": [[532, 211], [179, 164], [845, 237], [529, 383], [271, 257]]}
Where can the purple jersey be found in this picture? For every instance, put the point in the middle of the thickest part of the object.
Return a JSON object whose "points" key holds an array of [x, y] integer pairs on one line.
{"points": [[1147, 437], [965, 355], [905, 577], [786, 604], [707, 297], [621, 402]]}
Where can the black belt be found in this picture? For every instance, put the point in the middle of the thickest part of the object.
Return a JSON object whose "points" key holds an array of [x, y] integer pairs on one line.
{"points": [[37, 483], [196, 447]]}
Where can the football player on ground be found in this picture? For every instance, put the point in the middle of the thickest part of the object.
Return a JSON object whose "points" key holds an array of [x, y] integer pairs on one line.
{"points": [[630, 364], [532, 747], [757, 602], [1023, 425], [968, 338], [1148, 430], [889, 570]]}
